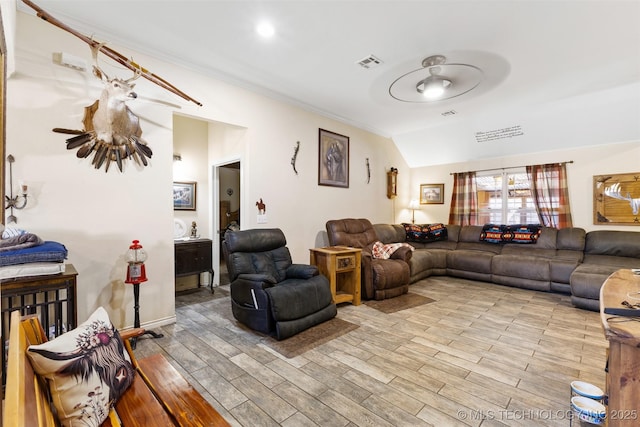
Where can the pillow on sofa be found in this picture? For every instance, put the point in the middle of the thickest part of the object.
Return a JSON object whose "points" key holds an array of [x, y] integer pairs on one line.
{"points": [[425, 233], [524, 233], [494, 233], [87, 370], [515, 233]]}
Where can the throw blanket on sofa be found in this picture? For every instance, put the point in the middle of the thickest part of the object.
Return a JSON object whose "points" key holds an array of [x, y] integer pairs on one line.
{"points": [[382, 251], [21, 241]]}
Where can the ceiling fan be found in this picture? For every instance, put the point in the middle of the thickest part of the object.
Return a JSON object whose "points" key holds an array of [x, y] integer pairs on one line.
{"points": [[436, 81]]}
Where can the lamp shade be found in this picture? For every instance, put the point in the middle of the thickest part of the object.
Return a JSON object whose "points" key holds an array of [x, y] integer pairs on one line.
{"points": [[414, 204]]}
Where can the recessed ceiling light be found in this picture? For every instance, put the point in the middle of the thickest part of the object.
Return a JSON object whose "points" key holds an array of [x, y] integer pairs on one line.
{"points": [[265, 29]]}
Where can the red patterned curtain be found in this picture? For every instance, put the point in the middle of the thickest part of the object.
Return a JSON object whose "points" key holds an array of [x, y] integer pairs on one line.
{"points": [[550, 194], [464, 201]]}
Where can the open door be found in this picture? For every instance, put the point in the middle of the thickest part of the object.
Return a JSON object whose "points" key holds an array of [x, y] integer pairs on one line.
{"points": [[227, 207]]}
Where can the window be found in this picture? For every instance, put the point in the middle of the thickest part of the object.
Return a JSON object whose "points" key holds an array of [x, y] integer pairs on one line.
{"points": [[505, 198]]}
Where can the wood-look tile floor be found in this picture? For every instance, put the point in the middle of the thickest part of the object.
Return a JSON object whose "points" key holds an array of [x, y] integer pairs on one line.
{"points": [[480, 355]]}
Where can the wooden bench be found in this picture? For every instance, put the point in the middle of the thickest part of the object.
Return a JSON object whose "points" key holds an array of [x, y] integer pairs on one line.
{"points": [[159, 395]]}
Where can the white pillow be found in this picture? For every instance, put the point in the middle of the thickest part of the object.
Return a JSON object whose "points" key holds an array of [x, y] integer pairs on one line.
{"points": [[87, 370]]}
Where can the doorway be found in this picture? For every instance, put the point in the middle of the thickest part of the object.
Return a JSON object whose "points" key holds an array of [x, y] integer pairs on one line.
{"points": [[227, 207]]}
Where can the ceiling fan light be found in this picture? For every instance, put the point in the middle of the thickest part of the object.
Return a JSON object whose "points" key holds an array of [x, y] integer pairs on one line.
{"points": [[433, 87]]}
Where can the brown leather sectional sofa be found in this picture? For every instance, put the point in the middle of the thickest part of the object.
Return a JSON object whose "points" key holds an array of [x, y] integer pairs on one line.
{"points": [[568, 260]]}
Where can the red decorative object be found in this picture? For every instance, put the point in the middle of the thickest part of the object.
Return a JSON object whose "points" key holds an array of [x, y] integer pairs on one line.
{"points": [[136, 256], [136, 274]]}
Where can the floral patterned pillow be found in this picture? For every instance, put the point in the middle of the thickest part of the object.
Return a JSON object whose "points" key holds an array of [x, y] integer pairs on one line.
{"points": [[86, 369]]}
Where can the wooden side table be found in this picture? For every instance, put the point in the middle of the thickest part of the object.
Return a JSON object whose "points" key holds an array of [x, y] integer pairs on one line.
{"points": [[341, 265], [623, 334]]}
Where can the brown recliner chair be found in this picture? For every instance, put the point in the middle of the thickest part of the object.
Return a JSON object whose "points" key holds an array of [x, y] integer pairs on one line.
{"points": [[381, 278]]}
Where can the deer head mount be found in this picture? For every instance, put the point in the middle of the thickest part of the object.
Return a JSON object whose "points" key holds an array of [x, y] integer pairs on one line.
{"points": [[111, 130]]}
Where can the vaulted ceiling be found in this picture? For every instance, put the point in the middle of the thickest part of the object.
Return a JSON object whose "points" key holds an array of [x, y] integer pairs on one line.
{"points": [[533, 54]]}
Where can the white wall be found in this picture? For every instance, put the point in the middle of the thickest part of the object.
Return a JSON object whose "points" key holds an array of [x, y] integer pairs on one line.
{"points": [[190, 141], [97, 214], [610, 158]]}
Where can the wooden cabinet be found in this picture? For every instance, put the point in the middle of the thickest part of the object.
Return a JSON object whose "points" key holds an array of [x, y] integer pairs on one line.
{"points": [[623, 334], [194, 257], [53, 297], [341, 265]]}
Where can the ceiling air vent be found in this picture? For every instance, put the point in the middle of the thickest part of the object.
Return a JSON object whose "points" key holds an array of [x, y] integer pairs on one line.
{"points": [[449, 113], [369, 62]]}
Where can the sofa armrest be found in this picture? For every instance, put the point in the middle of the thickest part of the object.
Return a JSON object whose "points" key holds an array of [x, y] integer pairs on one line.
{"points": [[403, 253], [366, 275]]}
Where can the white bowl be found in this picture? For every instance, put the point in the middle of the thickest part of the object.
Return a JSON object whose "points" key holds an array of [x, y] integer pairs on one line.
{"points": [[589, 410], [588, 390]]}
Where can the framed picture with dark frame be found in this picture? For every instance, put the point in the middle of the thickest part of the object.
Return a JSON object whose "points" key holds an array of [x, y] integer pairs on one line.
{"points": [[333, 159], [184, 196], [431, 194]]}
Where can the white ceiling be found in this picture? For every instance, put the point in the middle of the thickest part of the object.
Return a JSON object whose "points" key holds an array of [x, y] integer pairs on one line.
{"points": [[532, 52]]}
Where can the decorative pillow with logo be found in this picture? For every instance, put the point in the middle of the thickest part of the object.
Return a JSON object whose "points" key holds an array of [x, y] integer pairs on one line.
{"points": [[425, 233], [494, 233], [381, 251], [515, 233], [524, 233], [87, 370]]}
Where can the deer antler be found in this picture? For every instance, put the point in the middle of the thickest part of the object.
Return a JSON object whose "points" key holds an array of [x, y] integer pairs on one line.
{"points": [[613, 191], [116, 56], [137, 72]]}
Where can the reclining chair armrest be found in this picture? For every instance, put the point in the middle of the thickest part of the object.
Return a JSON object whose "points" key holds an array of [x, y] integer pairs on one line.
{"points": [[403, 253], [302, 271], [248, 290], [258, 278]]}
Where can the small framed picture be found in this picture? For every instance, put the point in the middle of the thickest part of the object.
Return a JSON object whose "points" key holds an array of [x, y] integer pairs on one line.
{"points": [[431, 194], [333, 159], [184, 196]]}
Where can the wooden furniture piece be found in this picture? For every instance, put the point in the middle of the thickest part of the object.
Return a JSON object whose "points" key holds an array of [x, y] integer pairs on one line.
{"points": [[392, 183], [623, 334], [194, 257], [341, 265], [53, 297], [159, 395]]}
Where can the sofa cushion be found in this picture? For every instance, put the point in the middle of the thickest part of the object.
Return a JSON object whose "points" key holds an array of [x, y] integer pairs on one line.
{"points": [[424, 233], [614, 262], [613, 243], [533, 268], [587, 279], [390, 233], [571, 238], [357, 233], [474, 261], [293, 299]]}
